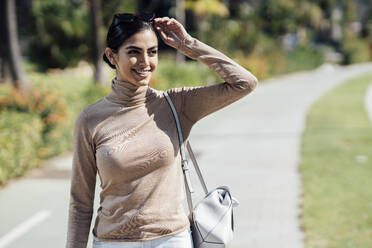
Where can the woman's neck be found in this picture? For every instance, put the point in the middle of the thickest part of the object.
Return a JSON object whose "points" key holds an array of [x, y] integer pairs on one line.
{"points": [[127, 93]]}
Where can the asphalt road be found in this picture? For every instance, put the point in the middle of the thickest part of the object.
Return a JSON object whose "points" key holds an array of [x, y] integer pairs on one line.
{"points": [[252, 146]]}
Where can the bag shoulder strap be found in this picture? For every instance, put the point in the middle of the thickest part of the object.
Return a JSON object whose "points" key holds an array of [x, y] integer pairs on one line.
{"points": [[183, 153], [197, 168]]}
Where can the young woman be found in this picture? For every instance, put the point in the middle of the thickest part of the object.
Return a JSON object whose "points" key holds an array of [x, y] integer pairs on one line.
{"points": [[129, 138]]}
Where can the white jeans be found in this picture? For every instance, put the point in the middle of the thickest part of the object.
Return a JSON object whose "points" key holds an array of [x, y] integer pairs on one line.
{"points": [[179, 240]]}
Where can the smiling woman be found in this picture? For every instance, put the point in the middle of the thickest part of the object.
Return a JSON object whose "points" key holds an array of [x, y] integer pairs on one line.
{"points": [[136, 58], [129, 138], [132, 48]]}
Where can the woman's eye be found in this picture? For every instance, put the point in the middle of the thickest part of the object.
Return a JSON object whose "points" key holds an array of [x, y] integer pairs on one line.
{"points": [[154, 52], [132, 52]]}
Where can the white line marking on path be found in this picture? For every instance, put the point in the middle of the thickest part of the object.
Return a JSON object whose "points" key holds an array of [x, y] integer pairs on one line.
{"points": [[23, 228]]}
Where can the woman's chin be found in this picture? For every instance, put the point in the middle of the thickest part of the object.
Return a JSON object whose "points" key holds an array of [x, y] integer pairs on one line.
{"points": [[139, 82], [143, 82], [136, 80]]}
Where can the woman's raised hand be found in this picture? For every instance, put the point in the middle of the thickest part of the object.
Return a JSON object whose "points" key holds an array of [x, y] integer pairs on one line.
{"points": [[171, 31]]}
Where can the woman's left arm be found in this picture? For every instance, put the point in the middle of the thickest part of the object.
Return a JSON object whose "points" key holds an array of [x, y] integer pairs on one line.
{"points": [[204, 100], [174, 34]]}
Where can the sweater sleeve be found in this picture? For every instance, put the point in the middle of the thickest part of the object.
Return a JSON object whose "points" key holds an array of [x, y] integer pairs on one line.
{"points": [[198, 102], [83, 183]]}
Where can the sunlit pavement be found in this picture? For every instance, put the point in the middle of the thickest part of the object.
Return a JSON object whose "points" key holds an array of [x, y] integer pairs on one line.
{"points": [[42, 191], [252, 146]]}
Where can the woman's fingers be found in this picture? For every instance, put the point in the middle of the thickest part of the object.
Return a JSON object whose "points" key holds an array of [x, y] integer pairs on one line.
{"points": [[161, 19], [171, 21], [170, 30], [164, 36], [165, 20], [166, 27]]}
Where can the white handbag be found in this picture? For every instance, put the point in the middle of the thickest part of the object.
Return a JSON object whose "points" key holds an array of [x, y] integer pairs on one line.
{"points": [[211, 220]]}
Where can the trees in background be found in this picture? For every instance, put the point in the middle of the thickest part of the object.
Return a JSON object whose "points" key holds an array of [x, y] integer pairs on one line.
{"points": [[65, 32], [62, 35], [180, 16], [4, 73], [97, 49], [10, 52]]}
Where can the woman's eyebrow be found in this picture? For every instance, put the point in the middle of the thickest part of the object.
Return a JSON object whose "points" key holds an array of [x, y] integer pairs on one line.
{"points": [[133, 47], [138, 48]]}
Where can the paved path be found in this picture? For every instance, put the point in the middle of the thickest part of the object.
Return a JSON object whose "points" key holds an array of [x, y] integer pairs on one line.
{"points": [[252, 146], [260, 137]]}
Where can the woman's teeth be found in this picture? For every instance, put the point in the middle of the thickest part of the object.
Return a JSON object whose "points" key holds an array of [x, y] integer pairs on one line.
{"points": [[142, 72]]}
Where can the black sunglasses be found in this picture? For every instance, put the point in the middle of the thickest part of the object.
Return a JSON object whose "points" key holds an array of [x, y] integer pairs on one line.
{"points": [[128, 18]]}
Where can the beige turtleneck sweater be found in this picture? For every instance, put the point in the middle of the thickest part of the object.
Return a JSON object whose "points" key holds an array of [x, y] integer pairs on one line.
{"points": [[129, 138]]}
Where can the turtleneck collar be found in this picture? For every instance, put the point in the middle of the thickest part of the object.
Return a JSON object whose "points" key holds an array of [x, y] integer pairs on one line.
{"points": [[127, 94]]}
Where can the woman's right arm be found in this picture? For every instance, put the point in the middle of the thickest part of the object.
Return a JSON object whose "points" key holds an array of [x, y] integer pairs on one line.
{"points": [[83, 184]]}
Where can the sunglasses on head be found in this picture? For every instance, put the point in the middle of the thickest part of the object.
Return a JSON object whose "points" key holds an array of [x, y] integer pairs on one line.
{"points": [[128, 18]]}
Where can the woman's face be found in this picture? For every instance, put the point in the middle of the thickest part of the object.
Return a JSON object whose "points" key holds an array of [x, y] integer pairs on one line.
{"points": [[137, 58]]}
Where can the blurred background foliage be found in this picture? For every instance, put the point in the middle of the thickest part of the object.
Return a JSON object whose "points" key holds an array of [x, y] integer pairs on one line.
{"points": [[57, 37], [58, 33]]}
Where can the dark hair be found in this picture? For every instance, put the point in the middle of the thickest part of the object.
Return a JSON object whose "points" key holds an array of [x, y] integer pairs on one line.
{"points": [[119, 31]]}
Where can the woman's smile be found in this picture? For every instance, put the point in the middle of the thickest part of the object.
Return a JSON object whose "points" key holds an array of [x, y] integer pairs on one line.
{"points": [[143, 73]]}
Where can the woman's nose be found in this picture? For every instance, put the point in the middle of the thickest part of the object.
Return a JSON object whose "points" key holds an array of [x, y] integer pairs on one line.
{"points": [[144, 60]]}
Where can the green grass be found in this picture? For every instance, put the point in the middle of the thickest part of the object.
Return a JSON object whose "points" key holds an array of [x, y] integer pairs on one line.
{"points": [[337, 189]]}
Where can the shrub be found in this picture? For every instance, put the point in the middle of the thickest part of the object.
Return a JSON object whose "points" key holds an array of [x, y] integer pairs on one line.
{"points": [[93, 93], [20, 141], [355, 50], [70, 85], [256, 64], [303, 58], [50, 105], [191, 73]]}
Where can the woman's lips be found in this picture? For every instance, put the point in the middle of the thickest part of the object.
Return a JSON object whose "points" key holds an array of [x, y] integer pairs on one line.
{"points": [[142, 72]]}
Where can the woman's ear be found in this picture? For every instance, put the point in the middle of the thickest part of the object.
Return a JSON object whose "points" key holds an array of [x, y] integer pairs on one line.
{"points": [[110, 55]]}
